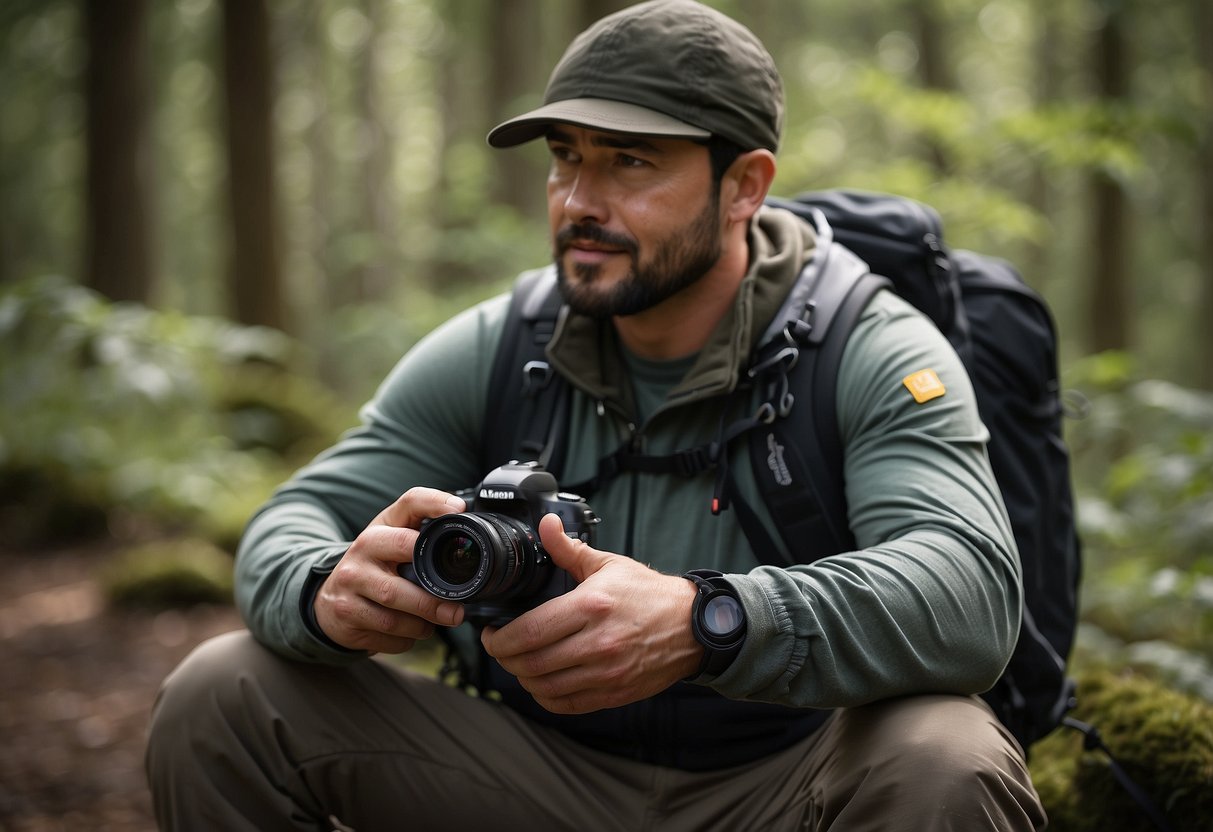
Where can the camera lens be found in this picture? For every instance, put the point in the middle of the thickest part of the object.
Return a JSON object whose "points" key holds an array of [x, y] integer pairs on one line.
{"points": [[477, 556], [456, 558]]}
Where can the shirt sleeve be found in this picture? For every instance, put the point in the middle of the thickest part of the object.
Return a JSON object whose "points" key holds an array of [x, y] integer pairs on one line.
{"points": [[421, 428], [931, 599]]}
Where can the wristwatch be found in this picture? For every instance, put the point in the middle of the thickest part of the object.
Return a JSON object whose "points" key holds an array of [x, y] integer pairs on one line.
{"points": [[718, 621]]}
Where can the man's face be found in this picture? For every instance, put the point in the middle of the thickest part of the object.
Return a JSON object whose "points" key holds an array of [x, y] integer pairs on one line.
{"points": [[634, 220]]}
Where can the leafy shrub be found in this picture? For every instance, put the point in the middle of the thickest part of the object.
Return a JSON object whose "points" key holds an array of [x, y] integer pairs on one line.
{"points": [[119, 409], [1143, 456], [1143, 463]]}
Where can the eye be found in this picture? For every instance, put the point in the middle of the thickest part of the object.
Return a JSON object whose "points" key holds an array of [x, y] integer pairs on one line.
{"points": [[561, 153], [627, 160]]}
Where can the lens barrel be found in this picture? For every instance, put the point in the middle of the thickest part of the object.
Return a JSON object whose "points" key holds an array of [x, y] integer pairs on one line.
{"points": [[476, 556]]}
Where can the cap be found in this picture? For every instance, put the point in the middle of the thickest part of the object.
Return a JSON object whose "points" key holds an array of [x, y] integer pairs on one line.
{"points": [[673, 68]]}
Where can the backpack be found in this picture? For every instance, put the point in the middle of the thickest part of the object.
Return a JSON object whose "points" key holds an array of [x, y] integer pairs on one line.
{"points": [[1005, 337]]}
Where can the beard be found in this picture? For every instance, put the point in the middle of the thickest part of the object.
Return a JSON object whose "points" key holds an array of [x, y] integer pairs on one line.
{"points": [[677, 261]]}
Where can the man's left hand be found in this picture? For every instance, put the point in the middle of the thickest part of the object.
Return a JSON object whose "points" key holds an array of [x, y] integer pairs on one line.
{"points": [[622, 635]]}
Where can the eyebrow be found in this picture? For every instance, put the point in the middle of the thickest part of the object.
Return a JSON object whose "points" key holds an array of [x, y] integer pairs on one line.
{"points": [[612, 140]]}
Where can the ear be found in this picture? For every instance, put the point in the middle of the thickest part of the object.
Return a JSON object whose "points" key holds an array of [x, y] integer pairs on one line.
{"points": [[746, 184]]}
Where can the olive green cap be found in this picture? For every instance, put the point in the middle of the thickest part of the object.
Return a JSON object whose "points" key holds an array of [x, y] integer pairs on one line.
{"points": [[672, 68]]}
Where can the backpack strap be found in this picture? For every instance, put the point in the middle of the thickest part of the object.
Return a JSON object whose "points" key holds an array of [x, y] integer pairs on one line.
{"points": [[797, 456], [526, 405]]}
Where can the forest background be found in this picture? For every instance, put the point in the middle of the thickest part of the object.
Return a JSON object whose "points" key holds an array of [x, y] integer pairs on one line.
{"points": [[222, 221]]}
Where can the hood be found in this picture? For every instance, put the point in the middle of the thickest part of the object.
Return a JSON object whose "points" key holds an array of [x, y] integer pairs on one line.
{"points": [[586, 351]]}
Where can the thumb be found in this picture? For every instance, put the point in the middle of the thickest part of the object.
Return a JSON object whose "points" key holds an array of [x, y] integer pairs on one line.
{"points": [[577, 558]]}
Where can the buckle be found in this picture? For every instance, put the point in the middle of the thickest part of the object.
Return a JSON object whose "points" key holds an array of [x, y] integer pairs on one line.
{"points": [[785, 360], [536, 375], [691, 461]]}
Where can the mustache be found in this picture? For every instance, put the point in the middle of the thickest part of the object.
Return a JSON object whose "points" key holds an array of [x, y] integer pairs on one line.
{"points": [[590, 232]]}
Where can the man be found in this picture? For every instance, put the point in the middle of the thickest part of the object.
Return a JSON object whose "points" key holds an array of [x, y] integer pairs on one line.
{"points": [[662, 122]]}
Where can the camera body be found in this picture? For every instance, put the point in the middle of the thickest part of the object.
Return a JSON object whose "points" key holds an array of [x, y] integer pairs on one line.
{"points": [[490, 557]]}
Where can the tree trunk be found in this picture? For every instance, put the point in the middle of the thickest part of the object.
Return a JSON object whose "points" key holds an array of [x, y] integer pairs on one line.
{"points": [[118, 251], [1046, 83], [934, 67], [1204, 229], [515, 72], [590, 11], [254, 276], [373, 275], [1109, 280]]}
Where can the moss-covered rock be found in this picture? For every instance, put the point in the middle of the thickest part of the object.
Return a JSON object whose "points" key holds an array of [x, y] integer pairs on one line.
{"points": [[1164, 741], [169, 573], [285, 412]]}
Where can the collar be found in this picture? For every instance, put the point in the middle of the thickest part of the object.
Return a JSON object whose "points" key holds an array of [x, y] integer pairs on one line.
{"points": [[586, 351]]}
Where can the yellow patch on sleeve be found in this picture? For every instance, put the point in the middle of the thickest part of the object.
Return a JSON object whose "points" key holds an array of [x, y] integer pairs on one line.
{"points": [[924, 385]]}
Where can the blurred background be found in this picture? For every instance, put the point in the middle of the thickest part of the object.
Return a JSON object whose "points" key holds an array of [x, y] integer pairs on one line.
{"points": [[222, 221]]}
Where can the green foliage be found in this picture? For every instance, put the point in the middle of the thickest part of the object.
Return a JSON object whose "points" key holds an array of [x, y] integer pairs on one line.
{"points": [[366, 340], [1163, 739], [177, 572], [119, 409], [1143, 463], [1145, 453]]}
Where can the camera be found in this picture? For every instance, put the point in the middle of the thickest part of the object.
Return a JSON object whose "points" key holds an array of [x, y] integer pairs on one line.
{"points": [[490, 557]]}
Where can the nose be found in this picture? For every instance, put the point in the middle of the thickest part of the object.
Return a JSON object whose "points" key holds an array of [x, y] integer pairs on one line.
{"points": [[583, 201]]}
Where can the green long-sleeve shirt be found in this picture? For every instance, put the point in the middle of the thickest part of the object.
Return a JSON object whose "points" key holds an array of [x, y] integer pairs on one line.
{"points": [[930, 601]]}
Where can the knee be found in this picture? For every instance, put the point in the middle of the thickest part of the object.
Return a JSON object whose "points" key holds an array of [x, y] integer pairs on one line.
{"points": [[941, 754], [942, 738], [200, 682]]}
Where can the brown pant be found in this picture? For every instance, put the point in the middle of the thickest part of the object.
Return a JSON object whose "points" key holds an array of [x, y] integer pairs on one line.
{"points": [[244, 740]]}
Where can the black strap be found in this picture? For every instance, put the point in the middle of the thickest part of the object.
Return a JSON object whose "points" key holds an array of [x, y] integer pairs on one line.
{"points": [[798, 459], [526, 397], [1092, 741]]}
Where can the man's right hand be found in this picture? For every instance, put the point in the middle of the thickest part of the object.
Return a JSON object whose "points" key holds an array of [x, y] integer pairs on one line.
{"points": [[365, 604]]}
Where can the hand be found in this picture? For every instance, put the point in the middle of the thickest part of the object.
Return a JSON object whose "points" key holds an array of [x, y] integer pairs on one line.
{"points": [[622, 635], [365, 604]]}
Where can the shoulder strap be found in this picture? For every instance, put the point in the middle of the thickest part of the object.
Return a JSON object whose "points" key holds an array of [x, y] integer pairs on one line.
{"points": [[798, 459], [525, 399]]}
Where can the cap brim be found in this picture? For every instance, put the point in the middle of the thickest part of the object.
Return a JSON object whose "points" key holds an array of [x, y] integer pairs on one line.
{"points": [[596, 114]]}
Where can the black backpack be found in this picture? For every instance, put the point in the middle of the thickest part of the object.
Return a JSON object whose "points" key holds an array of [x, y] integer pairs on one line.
{"points": [[1002, 331]]}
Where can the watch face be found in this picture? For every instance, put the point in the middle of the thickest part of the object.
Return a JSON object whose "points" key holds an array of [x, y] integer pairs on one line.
{"points": [[723, 615]]}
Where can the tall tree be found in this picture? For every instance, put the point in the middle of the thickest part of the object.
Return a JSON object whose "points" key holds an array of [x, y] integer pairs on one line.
{"points": [[1109, 282], [515, 71], [1203, 19], [1046, 78], [378, 207], [118, 248], [589, 11], [934, 63], [255, 282]]}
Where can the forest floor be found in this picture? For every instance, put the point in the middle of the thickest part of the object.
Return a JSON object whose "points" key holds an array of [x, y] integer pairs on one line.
{"points": [[77, 683]]}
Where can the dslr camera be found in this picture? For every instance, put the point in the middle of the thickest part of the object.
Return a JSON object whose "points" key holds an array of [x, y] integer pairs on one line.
{"points": [[490, 557]]}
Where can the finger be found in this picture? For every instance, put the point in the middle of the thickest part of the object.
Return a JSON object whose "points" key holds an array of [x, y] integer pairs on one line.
{"points": [[546, 625], [422, 604], [378, 583], [371, 618], [579, 700], [553, 658], [380, 643], [360, 624], [574, 556], [419, 504], [397, 594], [386, 544]]}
